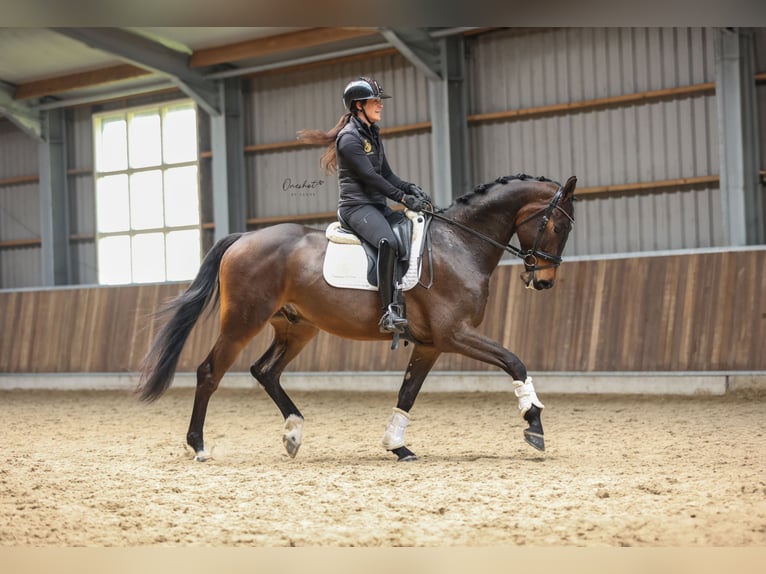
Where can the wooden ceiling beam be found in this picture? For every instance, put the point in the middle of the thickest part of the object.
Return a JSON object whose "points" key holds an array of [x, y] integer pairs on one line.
{"points": [[60, 84], [322, 63], [270, 45]]}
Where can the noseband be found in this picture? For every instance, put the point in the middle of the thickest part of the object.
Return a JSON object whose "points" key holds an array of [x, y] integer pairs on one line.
{"points": [[528, 256]]}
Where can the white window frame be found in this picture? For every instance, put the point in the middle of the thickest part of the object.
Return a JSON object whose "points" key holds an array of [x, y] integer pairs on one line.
{"points": [[130, 268]]}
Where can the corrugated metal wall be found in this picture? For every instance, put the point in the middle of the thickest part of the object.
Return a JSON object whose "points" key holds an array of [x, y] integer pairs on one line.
{"points": [[279, 105], [20, 265], [644, 142], [82, 197], [673, 138]]}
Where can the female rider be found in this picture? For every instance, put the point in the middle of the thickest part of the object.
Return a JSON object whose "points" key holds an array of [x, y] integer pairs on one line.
{"points": [[366, 182]]}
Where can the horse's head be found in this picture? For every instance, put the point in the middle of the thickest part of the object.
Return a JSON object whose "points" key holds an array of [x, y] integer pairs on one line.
{"points": [[542, 227]]}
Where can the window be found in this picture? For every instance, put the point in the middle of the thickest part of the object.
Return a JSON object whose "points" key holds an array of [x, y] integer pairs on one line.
{"points": [[147, 194]]}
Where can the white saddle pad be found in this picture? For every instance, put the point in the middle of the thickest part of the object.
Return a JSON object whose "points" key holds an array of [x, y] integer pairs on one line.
{"points": [[345, 262]]}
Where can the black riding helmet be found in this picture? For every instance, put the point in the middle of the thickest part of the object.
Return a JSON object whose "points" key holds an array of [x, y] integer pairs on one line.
{"points": [[362, 89]]}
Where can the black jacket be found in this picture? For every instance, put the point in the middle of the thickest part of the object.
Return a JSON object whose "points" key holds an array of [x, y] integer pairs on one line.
{"points": [[364, 176]]}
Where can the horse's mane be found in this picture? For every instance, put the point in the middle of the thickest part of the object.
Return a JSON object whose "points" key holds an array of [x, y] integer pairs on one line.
{"points": [[482, 188]]}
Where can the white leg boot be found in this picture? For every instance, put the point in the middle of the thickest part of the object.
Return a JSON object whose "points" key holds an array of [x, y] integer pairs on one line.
{"points": [[397, 424], [525, 392]]}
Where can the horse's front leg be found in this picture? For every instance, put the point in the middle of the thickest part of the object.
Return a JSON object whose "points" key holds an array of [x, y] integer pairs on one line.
{"points": [[469, 342], [421, 361]]}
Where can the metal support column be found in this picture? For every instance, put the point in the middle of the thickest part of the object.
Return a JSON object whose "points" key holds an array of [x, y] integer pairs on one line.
{"points": [[228, 165], [449, 135], [54, 200], [741, 199]]}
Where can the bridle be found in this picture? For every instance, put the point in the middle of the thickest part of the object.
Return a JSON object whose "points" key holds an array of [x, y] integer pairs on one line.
{"points": [[530, 256]]}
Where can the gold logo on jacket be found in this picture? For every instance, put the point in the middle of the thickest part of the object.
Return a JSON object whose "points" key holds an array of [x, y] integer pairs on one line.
{"points": [[367, 146]]}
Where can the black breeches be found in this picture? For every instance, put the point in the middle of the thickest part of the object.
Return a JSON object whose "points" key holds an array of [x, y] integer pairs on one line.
{"points": [[370, 223]]}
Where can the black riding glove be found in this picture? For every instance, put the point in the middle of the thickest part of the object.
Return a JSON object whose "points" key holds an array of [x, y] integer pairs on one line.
{"points": [[413, 203], [417, 191]]}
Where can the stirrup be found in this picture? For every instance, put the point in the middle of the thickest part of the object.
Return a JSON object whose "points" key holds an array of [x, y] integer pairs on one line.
{"points": [[392, 322]]}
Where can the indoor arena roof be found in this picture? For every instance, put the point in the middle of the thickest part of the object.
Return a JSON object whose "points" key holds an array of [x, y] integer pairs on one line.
{"points": [[46, 68]]}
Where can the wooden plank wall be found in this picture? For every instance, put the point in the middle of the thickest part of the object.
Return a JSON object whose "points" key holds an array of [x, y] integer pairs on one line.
{"points": [[700, 312]]}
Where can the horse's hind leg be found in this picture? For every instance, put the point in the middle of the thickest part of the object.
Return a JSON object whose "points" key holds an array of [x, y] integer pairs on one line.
{"points": [[209, 375], [290, 337], [421, 362]]}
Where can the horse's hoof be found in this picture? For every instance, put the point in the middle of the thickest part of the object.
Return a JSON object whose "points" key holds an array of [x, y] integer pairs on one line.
{"points": [[534, 434], [203, 456], [404, 454], [291, 445], [293, 436], [535, 439]]}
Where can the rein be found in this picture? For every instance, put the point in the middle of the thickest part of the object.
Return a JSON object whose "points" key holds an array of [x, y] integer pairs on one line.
{"points": [[529, 256]]}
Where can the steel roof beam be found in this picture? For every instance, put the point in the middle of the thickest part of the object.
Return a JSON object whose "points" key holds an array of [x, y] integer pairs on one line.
{"points": [[21, 114], [418, 47], [151, 55]]}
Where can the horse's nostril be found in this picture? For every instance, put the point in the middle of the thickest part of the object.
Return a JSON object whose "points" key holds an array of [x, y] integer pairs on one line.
{"points": [[544, 284]]}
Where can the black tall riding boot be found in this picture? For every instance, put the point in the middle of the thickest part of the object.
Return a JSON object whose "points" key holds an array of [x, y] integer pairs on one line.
{"points": [[392, 320]]}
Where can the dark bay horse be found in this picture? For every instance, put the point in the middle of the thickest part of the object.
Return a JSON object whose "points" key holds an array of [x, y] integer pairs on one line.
{"points": [[274, 275]]}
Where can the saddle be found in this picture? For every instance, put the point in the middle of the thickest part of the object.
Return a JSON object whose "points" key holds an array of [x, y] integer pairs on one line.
{"points": [[350, 262]]}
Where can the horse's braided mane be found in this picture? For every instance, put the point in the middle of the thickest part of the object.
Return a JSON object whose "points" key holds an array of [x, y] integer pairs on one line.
{"points": [[483, 187]]}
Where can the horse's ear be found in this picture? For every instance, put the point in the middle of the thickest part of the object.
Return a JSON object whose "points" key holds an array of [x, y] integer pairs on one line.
{"points": [[569, 187]]}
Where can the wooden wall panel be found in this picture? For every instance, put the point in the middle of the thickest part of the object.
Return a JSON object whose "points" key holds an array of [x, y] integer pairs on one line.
{"points": [[699, 312]]}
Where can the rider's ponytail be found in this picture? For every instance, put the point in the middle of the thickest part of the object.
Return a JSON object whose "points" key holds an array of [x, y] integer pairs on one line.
{"points": [[329, 161]]}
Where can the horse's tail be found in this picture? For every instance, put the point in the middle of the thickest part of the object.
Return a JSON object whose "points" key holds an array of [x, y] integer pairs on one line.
{"points": [[160, 363]]}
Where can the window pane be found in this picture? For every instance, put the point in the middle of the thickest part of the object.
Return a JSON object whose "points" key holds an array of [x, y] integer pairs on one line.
{"points": [[112, 146], [146, 200], [112, 203], [148, 258], [145, 138], [181, 196], [183, 254], [114, 260], [180, 135]]}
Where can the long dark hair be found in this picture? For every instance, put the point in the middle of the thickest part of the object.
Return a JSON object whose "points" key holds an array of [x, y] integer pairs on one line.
{"points": [[329, 161]]}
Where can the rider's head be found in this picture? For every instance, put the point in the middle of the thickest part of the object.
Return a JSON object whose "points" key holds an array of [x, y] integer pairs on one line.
{"points": [[361, 90]]}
